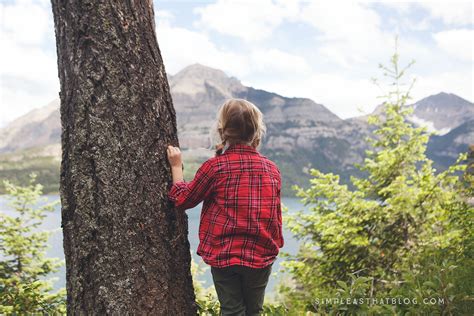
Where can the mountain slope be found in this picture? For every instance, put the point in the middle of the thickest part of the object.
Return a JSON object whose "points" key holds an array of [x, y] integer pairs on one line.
{"points": [[38, 127], [439, 113]]}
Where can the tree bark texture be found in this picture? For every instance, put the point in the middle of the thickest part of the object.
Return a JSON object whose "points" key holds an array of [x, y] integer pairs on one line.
{"points": [[126, 247]]}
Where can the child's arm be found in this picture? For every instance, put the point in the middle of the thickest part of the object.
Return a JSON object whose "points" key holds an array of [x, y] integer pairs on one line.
{"points": [[187, 195], [176, 162]]}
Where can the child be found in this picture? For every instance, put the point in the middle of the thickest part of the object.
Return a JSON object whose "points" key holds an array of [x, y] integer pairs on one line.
{"points": [[240, 232]]}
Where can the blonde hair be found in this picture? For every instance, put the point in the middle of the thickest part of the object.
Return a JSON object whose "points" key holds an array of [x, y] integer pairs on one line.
{"points": [[240, 121]]}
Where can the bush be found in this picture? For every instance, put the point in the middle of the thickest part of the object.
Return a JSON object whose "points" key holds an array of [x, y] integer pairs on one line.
{"points": [[404, 231]]}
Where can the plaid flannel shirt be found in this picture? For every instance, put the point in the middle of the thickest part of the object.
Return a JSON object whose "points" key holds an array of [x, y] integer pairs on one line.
{"points": [[241, 220]]}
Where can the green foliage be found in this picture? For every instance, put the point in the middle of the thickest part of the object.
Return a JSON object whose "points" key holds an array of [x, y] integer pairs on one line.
{"points": [[23, 266], [206, 298], [405, 228]]}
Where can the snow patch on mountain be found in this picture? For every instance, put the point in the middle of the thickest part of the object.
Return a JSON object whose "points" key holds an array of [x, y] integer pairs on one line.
{"points": [[429, 125]]}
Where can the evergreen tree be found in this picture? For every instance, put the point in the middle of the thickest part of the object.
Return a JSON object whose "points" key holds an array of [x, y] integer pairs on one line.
{"points": [[384, 235], [24, 268]]}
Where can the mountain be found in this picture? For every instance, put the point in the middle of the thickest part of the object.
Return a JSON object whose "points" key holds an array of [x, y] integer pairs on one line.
{"points": [[439, 113], [38, 127], [198, 91], [442, 112], [300, 132]]}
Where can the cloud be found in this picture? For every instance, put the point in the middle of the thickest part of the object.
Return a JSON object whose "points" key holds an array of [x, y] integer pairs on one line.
{"points": [[276, 61], [457, 42], [349, 21], [451, 13], [27, 22], [346, 34], [248, 20], [28, 68], [33, 64], [181, 47], [345, 96], [457, 13]]}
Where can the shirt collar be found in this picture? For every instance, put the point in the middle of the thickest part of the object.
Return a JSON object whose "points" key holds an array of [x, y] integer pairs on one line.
{"points": [[241, 148]]}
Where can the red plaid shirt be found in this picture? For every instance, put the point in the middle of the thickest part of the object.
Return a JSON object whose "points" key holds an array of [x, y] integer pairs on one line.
{"points": [[241, 214]]}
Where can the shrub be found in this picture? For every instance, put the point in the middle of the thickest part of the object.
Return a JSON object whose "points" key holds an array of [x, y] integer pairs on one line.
{"points": [[405, 228]]}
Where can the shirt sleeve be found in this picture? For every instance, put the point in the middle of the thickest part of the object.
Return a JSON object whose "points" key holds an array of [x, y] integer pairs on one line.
{"points": [[186, 195]]}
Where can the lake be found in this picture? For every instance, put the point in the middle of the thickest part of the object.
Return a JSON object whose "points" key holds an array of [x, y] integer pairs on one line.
{"points": [[53, 222]]}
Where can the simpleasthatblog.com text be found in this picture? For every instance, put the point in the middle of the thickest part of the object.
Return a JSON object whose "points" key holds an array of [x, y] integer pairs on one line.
{"points": [[379, 301]]}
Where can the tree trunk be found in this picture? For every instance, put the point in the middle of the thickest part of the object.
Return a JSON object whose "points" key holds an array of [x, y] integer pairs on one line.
{"points": [[126, 247]]}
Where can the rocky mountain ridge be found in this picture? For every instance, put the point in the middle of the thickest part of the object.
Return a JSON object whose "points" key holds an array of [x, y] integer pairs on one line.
{"points": [[439, 113]]}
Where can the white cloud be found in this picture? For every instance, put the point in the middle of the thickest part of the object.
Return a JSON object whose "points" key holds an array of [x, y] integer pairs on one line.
{"points": [[457, 42], [27, 22], [401, 6], [274, 61], [181, 47], [32, 64], [345, 96], [450, 12], [28, 70], [346, 34], [248, 20], [341, 22]]}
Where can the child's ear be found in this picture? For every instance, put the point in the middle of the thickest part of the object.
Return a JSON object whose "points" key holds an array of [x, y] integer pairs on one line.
{"points": [[255, 143]]}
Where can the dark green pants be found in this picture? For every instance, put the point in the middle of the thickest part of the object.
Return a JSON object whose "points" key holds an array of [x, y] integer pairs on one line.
{"points": [[240, 289]]}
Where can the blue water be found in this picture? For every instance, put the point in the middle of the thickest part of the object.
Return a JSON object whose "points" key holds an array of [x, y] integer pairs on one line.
{"points": [[53, 222]]}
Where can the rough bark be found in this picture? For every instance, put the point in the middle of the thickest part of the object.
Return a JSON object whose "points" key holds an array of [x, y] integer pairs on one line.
{"points": [[126, 247]]}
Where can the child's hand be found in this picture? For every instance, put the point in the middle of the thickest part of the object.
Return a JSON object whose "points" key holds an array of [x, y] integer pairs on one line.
{"points": [[174, 156]]}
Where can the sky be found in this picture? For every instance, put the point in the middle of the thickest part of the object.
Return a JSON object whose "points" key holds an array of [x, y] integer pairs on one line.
{"points": [[324, 50]]}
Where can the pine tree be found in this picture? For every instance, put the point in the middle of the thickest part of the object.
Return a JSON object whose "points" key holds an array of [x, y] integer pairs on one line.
{"points": [[24, 287], [394, 220]]}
